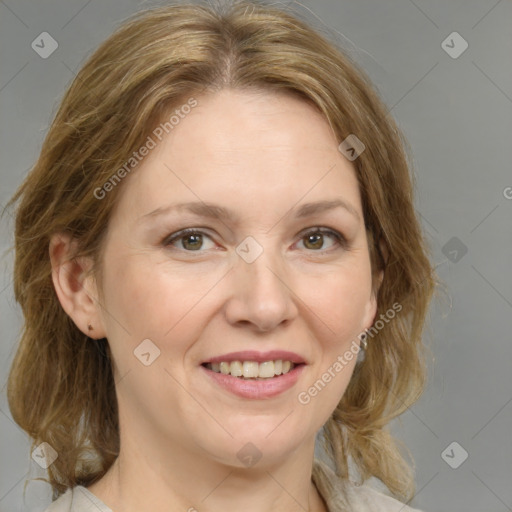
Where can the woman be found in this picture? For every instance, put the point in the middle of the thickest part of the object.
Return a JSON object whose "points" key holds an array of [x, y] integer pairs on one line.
{"points": [[221, 217]]}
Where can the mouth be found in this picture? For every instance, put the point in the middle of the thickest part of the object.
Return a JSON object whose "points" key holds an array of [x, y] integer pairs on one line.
{"points": [[253, 370], [253, 380]]}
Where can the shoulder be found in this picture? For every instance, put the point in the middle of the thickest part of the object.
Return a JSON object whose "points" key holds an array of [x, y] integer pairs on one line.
{"points": [[340, 495], [368, 499], [78, 499], [62, 504]]}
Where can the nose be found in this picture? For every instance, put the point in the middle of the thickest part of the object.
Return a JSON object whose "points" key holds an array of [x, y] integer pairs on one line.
{"points": [[261, 295]]}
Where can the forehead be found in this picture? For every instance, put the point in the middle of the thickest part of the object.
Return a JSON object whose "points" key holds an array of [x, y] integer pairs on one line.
{"points": [[244, 149]]}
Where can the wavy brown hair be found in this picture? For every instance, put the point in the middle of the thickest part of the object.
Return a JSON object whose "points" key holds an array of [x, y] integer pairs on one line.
{"points": [[61, 387]]}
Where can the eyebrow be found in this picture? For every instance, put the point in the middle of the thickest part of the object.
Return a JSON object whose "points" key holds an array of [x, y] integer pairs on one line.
{"points": [[211, 210]]}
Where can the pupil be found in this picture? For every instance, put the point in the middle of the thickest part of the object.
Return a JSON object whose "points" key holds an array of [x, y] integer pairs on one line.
{"points": [[318, 237], [197, 239]]}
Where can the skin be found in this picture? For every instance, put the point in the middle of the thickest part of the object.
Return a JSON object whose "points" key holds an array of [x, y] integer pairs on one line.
{"points": [[262, 155]]}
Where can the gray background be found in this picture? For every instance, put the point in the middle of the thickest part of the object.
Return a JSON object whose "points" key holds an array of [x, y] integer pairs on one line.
{"points": [[456, 114]]}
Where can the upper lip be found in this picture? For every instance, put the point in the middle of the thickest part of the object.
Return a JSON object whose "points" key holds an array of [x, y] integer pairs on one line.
{"points": [[259, 357]]}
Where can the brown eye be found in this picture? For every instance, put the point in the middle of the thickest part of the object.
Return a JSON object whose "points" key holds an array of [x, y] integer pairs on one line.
{"points": [[314, 240], [190, 240], [193, 241]]}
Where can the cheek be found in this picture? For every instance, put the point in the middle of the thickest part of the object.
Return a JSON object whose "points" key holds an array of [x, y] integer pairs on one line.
{"points": [[151, 301], [339, 301]]}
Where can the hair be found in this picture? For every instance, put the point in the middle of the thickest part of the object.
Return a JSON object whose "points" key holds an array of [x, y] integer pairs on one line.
{"points": [[61, 387]]}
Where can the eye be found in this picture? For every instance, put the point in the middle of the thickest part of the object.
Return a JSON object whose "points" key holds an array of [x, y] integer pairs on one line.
{"points": [[191, 239], [314, 239]]}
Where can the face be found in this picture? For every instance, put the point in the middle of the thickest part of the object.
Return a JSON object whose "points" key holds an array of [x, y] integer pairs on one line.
{"points": [[274, 279]]}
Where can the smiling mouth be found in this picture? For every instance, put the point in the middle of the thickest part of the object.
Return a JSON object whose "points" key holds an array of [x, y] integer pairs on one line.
{"points": [[252, 370]]}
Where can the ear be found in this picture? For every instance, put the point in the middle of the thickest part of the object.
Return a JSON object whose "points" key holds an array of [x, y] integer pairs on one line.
{"points": [[371, 306], [76, 290], [371, 311]]}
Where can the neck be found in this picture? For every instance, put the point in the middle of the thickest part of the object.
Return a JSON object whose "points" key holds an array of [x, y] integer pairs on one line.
{"points": [[141, 480]]}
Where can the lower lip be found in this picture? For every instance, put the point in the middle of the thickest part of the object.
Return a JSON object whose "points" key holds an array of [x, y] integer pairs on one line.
{"points": [[256, 389]]}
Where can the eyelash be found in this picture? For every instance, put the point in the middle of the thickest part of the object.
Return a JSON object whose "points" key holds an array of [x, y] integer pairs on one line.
{"points": [[341, 240]]}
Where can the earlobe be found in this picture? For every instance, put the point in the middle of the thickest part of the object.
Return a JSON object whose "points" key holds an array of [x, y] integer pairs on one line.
{"points": [[375, 289], [75, 288], [373, 302], [371, 312]]}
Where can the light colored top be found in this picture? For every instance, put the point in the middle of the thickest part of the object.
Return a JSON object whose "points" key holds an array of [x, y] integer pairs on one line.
{"points": [[339, 495]]}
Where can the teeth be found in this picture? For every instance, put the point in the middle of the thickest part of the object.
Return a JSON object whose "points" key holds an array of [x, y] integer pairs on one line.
{"points": [[252, 369], [266, 369], [236, 369]]}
